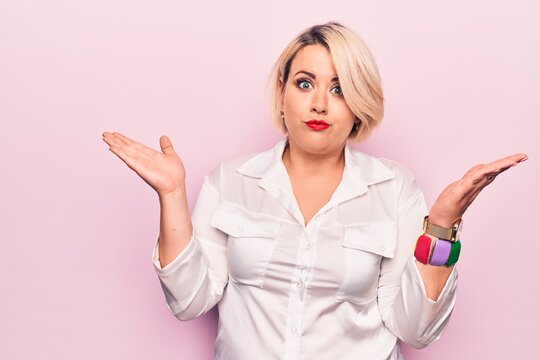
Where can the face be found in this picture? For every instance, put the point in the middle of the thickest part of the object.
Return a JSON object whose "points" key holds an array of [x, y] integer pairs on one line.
{"points": [[312, 92]]}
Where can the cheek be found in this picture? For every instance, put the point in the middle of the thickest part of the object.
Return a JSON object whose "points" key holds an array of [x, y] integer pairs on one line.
{"points": [[296, 108], [345, 113], [295, 100], [344, 109]]}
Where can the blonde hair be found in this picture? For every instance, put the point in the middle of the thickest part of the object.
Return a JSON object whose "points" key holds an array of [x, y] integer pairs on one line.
{"points": [[356, 69]]}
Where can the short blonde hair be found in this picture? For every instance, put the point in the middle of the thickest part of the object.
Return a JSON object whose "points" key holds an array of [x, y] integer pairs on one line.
{"points": [[356, 69]]}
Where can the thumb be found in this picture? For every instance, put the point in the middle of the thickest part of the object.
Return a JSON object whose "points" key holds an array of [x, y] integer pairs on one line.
{"points": [[166, 145]]}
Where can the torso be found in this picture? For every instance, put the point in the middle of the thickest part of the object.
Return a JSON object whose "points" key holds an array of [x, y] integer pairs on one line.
{"points": [[312, 189], [313, 192]]}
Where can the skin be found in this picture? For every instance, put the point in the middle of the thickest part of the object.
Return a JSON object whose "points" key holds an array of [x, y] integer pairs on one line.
{"points": [[314, 161]]}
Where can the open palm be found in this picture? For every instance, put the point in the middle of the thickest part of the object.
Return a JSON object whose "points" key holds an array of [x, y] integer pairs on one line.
{"points": [[459, 195], [163, 171]]}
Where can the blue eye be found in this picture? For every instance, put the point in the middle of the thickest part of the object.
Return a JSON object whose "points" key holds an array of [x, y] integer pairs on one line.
{"points": [[300, 82], [340, 91]]}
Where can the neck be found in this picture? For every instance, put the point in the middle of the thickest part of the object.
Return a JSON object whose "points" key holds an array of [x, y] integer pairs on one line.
{"points": [[298, 160]]}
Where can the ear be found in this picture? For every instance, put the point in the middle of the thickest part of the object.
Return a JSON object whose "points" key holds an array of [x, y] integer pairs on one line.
{"points": [[280, 86]]}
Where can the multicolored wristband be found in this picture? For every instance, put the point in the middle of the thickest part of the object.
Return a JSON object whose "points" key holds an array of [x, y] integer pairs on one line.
{"points": [[436, 252]]}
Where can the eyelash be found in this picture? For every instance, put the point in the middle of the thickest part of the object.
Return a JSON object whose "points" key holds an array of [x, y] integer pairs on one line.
{"points": [[299, 81]]}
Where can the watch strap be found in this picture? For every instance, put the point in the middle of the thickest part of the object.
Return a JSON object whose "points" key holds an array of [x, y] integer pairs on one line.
{"points": [[441, 251], [439, 231], [422, 249], [454, 253]]}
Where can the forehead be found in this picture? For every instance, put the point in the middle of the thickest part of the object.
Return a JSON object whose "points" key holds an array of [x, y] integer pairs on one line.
{"points": [[315, 59]]}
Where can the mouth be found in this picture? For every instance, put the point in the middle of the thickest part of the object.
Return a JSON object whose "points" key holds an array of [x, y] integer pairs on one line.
{"points": [[317, 124]]}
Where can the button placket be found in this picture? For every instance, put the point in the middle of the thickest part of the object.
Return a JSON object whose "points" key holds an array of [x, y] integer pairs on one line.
{"points": [[300, 280]]}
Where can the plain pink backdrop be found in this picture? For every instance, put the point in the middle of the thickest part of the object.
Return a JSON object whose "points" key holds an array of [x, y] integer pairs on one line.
{"points": [[462, 86]]}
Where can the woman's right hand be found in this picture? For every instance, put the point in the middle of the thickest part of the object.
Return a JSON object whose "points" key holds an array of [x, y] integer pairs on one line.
{"points": [[163, 171]]}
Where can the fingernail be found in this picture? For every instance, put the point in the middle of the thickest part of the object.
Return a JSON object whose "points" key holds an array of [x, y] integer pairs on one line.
{"points": [[525, 158]]}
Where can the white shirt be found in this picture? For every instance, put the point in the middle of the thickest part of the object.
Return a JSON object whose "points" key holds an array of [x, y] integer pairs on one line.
{"points": [[345, 286]]}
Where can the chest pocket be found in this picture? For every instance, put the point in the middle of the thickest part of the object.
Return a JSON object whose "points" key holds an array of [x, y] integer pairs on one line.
{"points": [[251, 242], [364, 246]]}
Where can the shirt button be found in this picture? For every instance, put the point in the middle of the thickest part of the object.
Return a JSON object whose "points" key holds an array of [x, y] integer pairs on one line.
{"points": [[382, 247], [240, 228], [308, 247], [293, 330], [299, 284]]}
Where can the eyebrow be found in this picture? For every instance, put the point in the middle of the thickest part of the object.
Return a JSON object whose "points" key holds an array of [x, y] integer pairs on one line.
{"points": [[312, 75]]}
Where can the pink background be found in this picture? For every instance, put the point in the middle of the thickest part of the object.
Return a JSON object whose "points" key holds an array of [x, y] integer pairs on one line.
{"points": [[462, 86]]}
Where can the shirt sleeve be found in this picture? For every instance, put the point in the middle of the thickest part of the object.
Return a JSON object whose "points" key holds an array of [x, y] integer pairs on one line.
{"points": [[195, 280], [405, 308]]}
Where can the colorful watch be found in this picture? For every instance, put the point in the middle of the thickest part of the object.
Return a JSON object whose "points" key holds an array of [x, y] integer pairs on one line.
{"points": [[422, 249], [440, 253], [454, 253], [437, 252]]}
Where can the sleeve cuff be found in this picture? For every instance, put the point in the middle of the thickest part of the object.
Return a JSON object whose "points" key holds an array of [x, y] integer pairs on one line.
{"points": [[184, 256], [448, 289]]}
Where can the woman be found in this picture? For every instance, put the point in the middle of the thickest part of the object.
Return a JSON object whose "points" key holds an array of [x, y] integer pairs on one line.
{"points": [[311, 249]]}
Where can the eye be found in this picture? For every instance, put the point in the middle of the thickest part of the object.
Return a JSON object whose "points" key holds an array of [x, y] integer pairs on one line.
{"points": [[340, 92], [300, 84]]}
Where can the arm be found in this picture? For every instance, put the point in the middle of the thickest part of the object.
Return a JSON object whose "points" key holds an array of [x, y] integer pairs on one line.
{"points": [[416, 300], [406, 309], [450, 206], [434, 278], [192, 270], [194, 281], [175, 225]]}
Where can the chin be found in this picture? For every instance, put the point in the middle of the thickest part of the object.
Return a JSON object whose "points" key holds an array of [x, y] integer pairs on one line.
{"points": [[315, 143]]}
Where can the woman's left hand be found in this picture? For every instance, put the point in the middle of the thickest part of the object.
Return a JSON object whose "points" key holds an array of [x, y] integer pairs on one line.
{"points": [[456, 197]]}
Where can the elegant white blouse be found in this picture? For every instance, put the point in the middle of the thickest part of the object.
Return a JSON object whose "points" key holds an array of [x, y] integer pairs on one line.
{"points": [[345, 286]]}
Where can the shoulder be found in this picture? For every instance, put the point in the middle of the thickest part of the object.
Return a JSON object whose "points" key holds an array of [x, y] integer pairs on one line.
{"points": [[227, 167], [407, 185], [401, 171], [401, 177], [376, 169]]}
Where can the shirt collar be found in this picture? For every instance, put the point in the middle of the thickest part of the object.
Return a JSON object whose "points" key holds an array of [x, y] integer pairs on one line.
{"points": [[366, 168], [360, 171]]}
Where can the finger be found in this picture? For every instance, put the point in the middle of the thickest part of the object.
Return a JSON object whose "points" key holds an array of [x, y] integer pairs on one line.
{"points": [[488, 172], [124, 138], [166, 145], [134, 149], [120, 140], [112, 140], [139, 152], [509, 161], [481, 175], [125, 157], [492, 170], [477, 178], [482, 179], [497, 167]]}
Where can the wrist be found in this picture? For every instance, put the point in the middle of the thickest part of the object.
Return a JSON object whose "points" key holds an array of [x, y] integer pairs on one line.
{"points": [[442, 221], [175, 193], [443, 228]]}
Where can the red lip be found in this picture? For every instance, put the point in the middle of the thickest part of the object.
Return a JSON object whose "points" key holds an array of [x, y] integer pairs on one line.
{"points": [[317, 122], [317, 125]]}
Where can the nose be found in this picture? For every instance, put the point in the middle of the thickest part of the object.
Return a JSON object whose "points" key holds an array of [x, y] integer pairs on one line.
{"points": [[319, 103]]}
